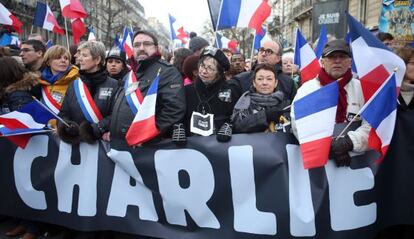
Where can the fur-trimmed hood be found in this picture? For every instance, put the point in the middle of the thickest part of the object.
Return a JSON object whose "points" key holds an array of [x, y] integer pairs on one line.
{"points": [[29, 80]]}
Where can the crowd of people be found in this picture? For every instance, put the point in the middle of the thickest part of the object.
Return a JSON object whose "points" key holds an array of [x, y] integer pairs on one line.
{"points": [[202, 91]]}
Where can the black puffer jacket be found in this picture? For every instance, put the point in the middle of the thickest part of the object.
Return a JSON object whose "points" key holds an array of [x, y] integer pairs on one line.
{"points": [[170, 106], [102, 89], [18, 94], [218, 99], [243, 82]]}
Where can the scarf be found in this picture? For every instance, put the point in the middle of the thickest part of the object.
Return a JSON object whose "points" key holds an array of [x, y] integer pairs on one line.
{"points": [[266, 100], [325, 79], [48, 76]]}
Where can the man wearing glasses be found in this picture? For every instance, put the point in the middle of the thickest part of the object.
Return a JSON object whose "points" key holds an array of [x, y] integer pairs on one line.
{"points": [[170, 106], [269, 53], [31, 53]]}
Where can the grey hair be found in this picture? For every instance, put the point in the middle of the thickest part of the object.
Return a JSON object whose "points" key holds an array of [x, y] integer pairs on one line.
{"points": [[96, 48]]}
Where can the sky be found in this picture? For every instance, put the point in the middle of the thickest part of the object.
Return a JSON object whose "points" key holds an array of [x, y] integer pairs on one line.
{"points": [[191, 13]]}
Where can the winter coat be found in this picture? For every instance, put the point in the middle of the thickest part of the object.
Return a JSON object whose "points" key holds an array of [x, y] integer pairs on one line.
{"points": [[249, 117], [58, 88], [218, 99], [170, 105], [355, 100], [18, 94], [102, 88]]}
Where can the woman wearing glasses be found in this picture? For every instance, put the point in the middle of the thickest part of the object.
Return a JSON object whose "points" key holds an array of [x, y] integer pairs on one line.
{"points": [[210, 100]]}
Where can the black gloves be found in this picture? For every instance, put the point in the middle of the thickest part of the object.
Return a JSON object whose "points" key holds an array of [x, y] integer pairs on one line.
{"points": [[339, 151], [90, 132], [69, 134], [273, 113], [224, 133], [178, 135]]}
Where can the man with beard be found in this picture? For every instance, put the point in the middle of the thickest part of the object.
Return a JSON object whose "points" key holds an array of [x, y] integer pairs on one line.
{"points": [[170, 105]]}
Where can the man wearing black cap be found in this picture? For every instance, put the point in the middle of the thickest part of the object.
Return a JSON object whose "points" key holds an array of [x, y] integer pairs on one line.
{"points": [[336, 66], [170, 105], [210, 100]]}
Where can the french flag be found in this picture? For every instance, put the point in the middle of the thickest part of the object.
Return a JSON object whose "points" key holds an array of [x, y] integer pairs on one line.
{"points": [[6, 18], [261, 37], [224, 42], [322, 40], [314, 134], [143, 127], [30, 116], [44, 18], [177, 30], [126, 44], [72, 9], [243, 13], [305, 58], [373, 60], [20, 137], [381, 112]]}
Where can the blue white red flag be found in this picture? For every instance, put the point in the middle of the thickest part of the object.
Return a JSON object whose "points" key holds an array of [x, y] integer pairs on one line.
{"points": [[243, 13], [177, 30], [45, 19], [260, 38], [126, 44], [30, 116], [91, 35], [373, 60], [143, 127], [305, 58], [314, 134], [380, 112], [224, 42], [132, 92], [322, 40], [6, 18], [86, 102], [72, 9]]}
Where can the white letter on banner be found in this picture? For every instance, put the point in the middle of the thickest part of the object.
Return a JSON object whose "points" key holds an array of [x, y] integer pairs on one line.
{"points": [[84, 175], [246, 216], [343, 183], [123, 194], [23, 159], [194, 198], [302, 215]]}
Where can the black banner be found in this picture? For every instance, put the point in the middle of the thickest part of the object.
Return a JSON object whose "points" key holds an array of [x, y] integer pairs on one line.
{"points": [[252, 187], [331, 14]]}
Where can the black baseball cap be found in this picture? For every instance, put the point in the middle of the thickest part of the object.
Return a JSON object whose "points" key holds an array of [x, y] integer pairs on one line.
{"points": [[336, 46]]}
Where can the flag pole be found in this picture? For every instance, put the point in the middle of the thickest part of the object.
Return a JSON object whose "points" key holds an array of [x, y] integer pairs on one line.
{"points": [[67, 36], [50, 111], [252, 52]]}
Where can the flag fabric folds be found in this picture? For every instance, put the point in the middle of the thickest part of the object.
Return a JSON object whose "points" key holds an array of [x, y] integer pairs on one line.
{"points": [[72, 9], [305, 58], [381, 113], [322, 40], [44, 18], [126, 44], [373, 60], [314, 134], [78, 29], [177, 30], [143, 127], [261, 37], [6, 18], [224, 42], [243, 13]]}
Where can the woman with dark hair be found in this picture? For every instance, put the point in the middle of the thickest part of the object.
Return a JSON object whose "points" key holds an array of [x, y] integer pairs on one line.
{"points": [[260, 108], [87, 104], [210, 99], [177, 60], [190, 69], [16, 85], [116, 64]]}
